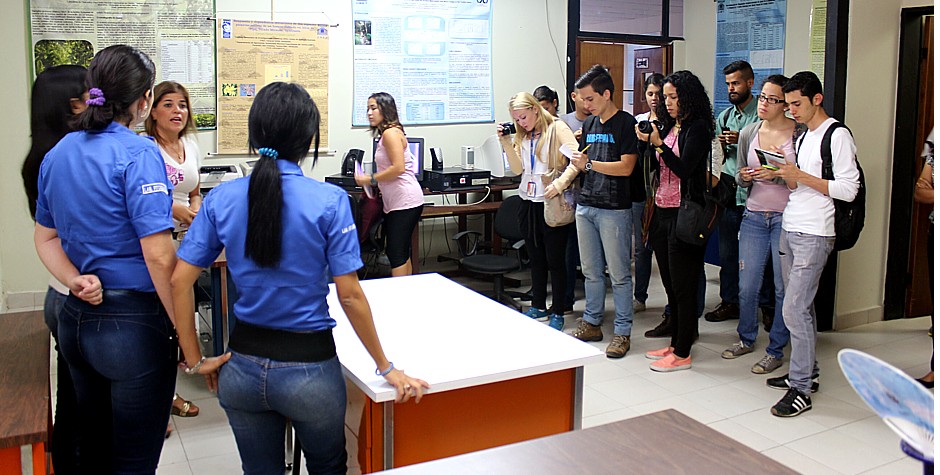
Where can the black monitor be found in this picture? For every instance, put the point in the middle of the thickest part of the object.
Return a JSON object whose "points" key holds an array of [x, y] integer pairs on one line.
{"points": [[416, 146]]}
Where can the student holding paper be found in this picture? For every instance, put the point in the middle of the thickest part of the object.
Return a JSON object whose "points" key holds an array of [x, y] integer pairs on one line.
{"points": [[535, 152], [761, 223]]}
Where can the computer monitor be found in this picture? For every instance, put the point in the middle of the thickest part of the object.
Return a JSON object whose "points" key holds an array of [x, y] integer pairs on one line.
{"points": [[490, 156], [416, 146]]}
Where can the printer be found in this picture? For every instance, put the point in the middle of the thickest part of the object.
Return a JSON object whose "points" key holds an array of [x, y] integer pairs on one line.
{"points": [[211, 176]]}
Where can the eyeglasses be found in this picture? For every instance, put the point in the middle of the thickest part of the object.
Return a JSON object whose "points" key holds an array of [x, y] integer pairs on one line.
{"points": [[770, 100]]}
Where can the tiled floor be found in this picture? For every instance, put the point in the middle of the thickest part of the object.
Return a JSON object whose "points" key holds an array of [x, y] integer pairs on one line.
{"points": [[839, 435]]}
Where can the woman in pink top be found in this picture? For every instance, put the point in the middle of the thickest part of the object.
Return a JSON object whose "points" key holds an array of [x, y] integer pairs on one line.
{"points": [[402, 197], [761, 223]]}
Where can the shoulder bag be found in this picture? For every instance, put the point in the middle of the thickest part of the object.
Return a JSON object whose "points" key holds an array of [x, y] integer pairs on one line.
{"points": [[559, 210]]}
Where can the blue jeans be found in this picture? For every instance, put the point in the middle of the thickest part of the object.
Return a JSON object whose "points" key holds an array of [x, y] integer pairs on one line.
{"points": [[642, 256], [259, 395], [604, 239], [572, 260], [760, 239], [64, 443], [802, 259], [728, 228], [122, 358]]}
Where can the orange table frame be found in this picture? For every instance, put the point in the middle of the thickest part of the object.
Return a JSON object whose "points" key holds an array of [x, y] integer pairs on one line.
{"points": [[469, 419]]}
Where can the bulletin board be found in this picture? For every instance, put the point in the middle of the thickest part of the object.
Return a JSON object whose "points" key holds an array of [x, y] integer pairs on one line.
{"points": [[253, 54], [178, 36]]}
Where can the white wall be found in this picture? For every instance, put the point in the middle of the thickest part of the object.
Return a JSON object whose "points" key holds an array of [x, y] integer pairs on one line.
{"points": [[874, 32], [524, 57]]}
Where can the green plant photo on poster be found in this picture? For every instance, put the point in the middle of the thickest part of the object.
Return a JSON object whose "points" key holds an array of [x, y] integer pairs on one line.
{"points": [[50, 53]]}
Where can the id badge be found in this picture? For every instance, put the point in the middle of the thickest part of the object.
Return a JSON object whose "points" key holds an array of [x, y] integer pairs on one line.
{"points": [[530, 189]]}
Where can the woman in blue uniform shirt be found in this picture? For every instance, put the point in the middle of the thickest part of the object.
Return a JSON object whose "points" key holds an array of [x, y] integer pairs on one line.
{"points": [[284, 235], [103, 212]]}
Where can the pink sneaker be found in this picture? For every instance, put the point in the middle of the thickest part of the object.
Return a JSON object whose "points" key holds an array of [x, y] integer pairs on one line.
{"points": [[659, 354], [671, 363]]}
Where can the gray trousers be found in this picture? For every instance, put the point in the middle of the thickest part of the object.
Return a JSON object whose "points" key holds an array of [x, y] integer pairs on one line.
{"points": [[802, 259]]}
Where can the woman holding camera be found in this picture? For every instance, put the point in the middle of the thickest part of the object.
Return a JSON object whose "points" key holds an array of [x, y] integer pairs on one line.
{"points": [[402, 198], [285, 235], [682, 164], [534, 152]]}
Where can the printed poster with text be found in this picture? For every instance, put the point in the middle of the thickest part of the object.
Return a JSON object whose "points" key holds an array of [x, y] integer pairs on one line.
{"points": [[434, 57], [178, 37], [253, 54], [753, 31]]}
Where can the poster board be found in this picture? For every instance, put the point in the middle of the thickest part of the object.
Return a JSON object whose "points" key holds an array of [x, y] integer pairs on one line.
{"points": [[433, 57], [817, 39], [178, 37], [252, 54], [753, 31]]}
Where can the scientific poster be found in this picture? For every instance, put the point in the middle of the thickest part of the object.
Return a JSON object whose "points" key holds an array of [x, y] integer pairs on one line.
{"points": [[178, 37], [817, 39], [753, 31], [433, 57], [253, 54]]}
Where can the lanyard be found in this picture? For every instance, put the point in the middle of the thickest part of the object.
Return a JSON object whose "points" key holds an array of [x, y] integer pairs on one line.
{"points": [[532, 154]]}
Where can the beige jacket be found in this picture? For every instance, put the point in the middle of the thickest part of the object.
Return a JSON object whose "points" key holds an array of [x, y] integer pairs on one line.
{"points": [[558, 133]]}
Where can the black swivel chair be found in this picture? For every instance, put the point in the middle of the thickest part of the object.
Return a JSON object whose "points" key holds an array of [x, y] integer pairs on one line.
{"points": [[506, 225]]}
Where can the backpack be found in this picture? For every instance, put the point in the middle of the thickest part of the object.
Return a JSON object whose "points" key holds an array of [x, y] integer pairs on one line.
{"points": [[850, 215]]}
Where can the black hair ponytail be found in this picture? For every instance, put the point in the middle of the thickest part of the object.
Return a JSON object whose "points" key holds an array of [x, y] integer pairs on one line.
{"points": [[122, 74], [281, 123]]}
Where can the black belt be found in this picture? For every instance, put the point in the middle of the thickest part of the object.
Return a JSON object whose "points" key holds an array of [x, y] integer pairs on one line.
{"points": [[282, 345]]}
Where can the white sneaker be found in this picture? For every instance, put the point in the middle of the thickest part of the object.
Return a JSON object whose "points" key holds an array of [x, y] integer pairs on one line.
{"points": [[638, 306]]}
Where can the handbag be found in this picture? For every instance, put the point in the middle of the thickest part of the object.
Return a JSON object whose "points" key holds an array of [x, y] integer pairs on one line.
{"points": [[695, 222], [559, 210]]}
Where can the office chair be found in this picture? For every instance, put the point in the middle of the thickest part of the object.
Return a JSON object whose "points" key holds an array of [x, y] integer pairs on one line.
{"points": [[506, 225]]}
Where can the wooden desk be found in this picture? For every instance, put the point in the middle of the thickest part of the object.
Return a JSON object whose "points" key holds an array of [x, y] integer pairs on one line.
{"points": [[25, 411], [497, 377], [662, 442]]}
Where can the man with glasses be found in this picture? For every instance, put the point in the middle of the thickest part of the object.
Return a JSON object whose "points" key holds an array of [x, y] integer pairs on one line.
{"points": [[743, 111]]}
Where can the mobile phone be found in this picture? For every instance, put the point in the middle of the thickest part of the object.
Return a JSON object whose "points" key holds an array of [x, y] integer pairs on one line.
{"points": [[769, 160]]}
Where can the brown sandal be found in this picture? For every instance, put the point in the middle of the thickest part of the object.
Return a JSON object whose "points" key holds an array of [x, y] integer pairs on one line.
{"points": [[188, 410]]}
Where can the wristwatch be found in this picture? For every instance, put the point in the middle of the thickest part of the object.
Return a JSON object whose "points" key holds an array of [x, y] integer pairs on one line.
{"points": [[588, 166]]}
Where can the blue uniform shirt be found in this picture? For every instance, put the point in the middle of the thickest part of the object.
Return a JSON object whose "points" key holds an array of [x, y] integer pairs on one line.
{"points": [[319, 236], [102, 191]]}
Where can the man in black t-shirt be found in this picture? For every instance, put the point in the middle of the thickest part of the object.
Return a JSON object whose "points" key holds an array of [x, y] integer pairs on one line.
{"points": [[604, 220]]}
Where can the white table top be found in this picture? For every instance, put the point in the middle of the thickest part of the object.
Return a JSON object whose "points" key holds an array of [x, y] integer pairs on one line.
{"points": [[450, 336]]}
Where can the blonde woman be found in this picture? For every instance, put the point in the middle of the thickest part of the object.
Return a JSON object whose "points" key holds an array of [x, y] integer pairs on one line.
{"points": [[534, 152]]}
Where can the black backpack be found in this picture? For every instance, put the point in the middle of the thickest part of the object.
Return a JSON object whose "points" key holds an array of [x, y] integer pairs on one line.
{"points": [[850, 215]]}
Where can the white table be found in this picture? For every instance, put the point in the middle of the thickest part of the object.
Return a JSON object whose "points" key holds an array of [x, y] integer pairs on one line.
{"points": [[496, 376]]}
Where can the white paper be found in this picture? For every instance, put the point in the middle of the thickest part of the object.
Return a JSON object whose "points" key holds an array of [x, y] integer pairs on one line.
{"points": [[566, 150]]}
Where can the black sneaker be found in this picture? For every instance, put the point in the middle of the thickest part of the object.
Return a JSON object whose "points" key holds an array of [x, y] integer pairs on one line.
{"points": [[724, 311], [783, 382], [661, 331], [793, 403]]}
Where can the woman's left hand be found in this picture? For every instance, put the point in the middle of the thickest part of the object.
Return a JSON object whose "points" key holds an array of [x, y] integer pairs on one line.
{"points": [[406, 387], [88, 288], [550, 191], [210, 369], [363, 180]]}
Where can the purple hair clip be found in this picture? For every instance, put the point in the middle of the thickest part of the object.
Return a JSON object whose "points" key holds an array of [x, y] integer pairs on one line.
{"points": [[95, 97]]}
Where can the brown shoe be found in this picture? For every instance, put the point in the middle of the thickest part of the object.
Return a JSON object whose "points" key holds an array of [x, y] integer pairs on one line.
{"points": [[662, 330], [587, 332], [619, 346], [724, 311]]}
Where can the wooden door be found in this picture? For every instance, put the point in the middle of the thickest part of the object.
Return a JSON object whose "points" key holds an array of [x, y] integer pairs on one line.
{"points": [[646, 62], [607, 54], [918, 299]]}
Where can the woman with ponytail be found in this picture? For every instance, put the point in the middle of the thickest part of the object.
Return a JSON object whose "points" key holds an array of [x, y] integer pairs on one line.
{"points": [[285, 235], [103, 228]]}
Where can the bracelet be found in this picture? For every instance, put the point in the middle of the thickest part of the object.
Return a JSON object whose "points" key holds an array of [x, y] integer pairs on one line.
{"points": [[373, 181], [383, 374], [195, 368]]}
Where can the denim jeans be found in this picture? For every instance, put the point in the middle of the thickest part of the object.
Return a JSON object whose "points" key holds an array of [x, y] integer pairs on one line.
{"points": [[642, 256], [259, 395], [604, 239], [122, 358], [802, 259], [572, 260], [64, 443], [728, 228], [760, 239]]}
